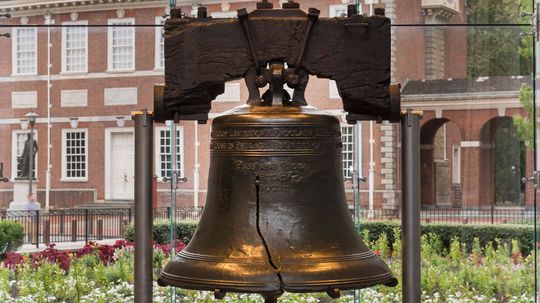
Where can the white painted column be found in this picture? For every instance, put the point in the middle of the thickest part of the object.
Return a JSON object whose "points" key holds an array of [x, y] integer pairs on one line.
{"points": [[196, 170], [48, 21]]}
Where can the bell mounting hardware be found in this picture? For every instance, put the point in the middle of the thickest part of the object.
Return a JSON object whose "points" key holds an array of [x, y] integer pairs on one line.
{"points": [[202, 53], [275, 217]]}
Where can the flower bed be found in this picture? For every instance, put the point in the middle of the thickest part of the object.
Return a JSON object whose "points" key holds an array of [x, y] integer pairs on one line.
{"points": [[104, 273]]}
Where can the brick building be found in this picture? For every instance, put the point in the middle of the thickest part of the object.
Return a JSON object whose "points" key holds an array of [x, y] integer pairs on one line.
{"points": [[84, 79]]}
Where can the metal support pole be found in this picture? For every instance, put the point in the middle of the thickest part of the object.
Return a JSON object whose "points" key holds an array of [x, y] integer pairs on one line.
{"points": [[143, 206], [410, 219]]}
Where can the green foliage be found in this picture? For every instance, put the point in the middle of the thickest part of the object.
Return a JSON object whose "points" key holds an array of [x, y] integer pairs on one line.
{"points": [[442, 234], [524, 125], [451, 277], [508, 165], [11, 236], [161, 231], [498, 51]]}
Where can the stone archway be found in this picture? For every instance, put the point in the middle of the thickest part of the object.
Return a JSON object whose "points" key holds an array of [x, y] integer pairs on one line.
{"points": [[440, 160], [502, 164]]}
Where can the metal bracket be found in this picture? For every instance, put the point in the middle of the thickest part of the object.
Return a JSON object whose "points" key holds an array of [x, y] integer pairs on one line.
{"points": [[533, 179], [178, 179], [534, 22]]}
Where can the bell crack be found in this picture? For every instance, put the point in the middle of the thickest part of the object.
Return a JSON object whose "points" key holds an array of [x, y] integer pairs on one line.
{"points": [[263, 240]]}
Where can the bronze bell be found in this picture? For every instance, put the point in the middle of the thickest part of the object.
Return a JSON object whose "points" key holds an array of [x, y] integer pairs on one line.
{"points": [[276, 217]]}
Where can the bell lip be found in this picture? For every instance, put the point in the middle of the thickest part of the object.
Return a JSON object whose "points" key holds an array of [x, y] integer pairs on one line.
{"points": [[166, 279], [387, 279], [343, 284]]}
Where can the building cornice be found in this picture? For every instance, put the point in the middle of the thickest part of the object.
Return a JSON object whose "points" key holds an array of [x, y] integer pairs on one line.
{"points": [[463, 104], [24, 8]]}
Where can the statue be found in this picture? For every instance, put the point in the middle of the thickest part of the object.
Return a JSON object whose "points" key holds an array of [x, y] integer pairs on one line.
{"points": [[30, 146]]}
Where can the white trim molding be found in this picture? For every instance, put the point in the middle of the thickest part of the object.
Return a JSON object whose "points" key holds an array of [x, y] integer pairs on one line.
{"points": [[120, 96], [26, 99], [470, 143], [74, 98]]}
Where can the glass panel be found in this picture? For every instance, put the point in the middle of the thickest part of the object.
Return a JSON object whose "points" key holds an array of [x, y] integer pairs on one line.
{"points": [[472, 83], [474, 87]]}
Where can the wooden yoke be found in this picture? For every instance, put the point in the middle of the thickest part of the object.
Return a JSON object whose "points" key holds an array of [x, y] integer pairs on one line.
{"points": [[202, 53]]}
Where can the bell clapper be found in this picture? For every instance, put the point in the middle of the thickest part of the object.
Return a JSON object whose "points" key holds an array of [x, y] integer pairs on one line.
{"points": [[333, 293], [218, 294]]}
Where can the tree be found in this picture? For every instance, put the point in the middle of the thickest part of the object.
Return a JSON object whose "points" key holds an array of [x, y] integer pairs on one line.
{"points": [[498, 50], [524, 125]]}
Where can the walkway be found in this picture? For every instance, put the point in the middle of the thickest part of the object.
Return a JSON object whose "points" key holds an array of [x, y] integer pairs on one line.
{"points": [[31, 248]]}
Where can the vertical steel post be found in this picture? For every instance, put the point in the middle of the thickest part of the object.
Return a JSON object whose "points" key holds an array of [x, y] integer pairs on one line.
{"points": [[143, 206], [410, 219]]}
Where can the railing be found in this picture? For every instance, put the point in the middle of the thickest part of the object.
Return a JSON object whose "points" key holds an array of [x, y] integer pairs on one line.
{"points": [[71, 225], [456, 216]]}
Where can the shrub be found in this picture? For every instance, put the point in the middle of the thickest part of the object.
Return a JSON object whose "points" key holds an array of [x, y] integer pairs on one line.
{"points": [[464, 233], [11, 237], [161, 231]]}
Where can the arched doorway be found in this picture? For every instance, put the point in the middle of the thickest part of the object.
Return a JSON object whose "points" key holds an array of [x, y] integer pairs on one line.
{"points": [[440, 160], [502, 164]]}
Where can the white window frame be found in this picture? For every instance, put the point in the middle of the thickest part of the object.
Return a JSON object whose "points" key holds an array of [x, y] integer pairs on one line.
{"points": [[158, 55], [157, 147], [64, 46], [456, 164], [346, 170], [64, 177], [14, 65], [14, 155], [231, 93], [110, 29]]}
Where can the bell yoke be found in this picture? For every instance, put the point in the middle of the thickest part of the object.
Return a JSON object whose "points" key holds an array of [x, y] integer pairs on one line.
{"points": [[276, 217]]}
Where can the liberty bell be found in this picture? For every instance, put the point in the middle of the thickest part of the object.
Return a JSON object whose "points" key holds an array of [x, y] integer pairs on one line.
{"points": [[276, 217]]}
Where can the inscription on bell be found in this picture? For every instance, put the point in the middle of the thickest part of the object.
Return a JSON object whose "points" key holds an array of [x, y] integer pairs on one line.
{"points": [[276, 145], [275, 132], [274, 177]]}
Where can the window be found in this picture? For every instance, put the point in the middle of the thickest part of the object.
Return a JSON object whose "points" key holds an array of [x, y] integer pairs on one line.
{"points": [[121, 45], [160, 44], [337, 10], [347, 139], [75, 47], [231, 93], [74, 154], [163, 152], [24, 50], [18, 139]]}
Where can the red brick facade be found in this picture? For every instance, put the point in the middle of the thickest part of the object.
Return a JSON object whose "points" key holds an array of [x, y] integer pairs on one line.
{"points": [[98, 118]]}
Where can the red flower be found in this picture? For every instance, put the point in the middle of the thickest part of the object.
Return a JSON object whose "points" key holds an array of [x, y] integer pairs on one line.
{"points": [[13, 260]]}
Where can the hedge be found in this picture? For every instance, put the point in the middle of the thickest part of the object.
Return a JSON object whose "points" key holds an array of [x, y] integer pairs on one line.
{"points": [[465, 233], [11, 236], [161, 231]]}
